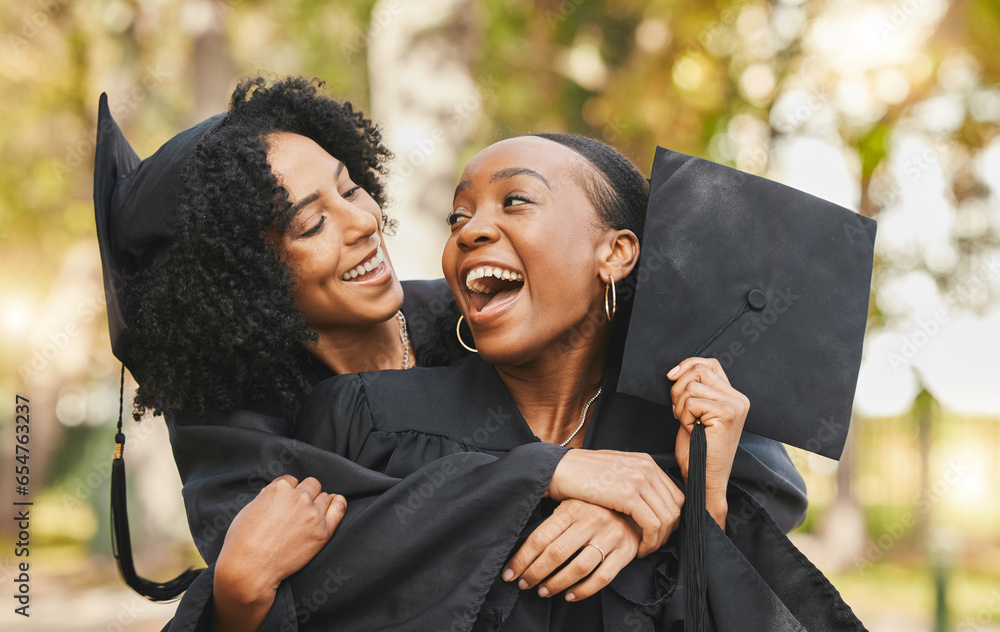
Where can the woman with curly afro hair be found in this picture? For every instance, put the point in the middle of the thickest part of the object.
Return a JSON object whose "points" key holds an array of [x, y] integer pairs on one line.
{"points": [[220, 303], [244, 263]]}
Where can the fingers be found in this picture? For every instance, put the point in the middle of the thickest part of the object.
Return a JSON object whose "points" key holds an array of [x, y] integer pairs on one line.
{"points": [[699, 373], [588, 561], [286, 479], [558, 552], [703, 366], [585, 557], [311, 487], [691, 389], [568, 559], [666, 500], [539, 540], [602, 576], [645, 517], [704, 380]]}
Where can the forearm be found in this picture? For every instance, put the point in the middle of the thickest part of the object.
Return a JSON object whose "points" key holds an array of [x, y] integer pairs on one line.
{"points": [[240, 600]]}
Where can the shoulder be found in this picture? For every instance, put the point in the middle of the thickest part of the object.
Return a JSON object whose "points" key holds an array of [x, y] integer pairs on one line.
{"points": [[425, 303], [270, 420]]}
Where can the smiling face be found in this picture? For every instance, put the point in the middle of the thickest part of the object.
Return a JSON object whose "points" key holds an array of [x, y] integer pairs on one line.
{"points": [[343, 276], [528, 257]]}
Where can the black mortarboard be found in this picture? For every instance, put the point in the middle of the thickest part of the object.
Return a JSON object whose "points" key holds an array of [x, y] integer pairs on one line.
{"points": [[772, 282], [134, 204], [134, 207]]}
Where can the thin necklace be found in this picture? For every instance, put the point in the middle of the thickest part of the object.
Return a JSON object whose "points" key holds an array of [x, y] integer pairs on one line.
{"points": [[404, 337], [583, 418]]}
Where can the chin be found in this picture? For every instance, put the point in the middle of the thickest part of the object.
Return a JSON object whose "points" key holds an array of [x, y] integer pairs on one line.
{"points": [[508, 350], [391, 301]]}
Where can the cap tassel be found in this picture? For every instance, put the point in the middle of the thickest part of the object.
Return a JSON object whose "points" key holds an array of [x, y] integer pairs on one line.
{"points": [[121, 542], [695, 600]]}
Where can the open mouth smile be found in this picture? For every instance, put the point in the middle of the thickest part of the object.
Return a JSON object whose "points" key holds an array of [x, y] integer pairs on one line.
{"points": [[367, 270], [492, 288]]}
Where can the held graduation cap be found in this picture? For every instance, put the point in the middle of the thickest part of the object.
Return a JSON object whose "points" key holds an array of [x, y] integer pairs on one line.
{"points": [[772, 282], [134, 206]]}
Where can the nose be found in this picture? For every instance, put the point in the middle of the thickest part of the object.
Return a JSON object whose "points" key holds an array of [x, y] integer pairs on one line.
{"points": [[478, 230], [357, 224]]}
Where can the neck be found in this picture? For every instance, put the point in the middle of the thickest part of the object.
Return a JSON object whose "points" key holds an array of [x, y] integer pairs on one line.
{"points": [[356, 349], [552, 392]]}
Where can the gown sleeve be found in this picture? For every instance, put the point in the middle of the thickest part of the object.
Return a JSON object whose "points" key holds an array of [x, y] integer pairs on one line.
{"points": [[417, 552], [763, 469]]}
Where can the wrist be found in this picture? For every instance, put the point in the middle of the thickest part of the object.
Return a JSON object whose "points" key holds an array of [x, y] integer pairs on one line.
{"points": [[719, 509], [236, 585], [552, 491]]}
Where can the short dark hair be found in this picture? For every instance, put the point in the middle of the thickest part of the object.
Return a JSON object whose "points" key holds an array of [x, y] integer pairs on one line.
{"points": [[616, 189], [214, 326]]}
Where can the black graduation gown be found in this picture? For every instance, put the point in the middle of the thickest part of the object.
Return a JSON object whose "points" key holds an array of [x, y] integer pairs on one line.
{"points": [[442, 476]]}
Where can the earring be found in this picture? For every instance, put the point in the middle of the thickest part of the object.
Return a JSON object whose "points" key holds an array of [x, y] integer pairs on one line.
{"points": [[458, 332], [610, 307]]}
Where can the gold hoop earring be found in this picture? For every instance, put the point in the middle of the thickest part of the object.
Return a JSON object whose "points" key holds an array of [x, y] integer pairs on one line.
{"points": [[610, 307], [458, 332]]}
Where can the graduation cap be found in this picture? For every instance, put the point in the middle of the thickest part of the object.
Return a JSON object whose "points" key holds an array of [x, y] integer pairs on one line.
{"points": [[772, 282], [134, 205]]}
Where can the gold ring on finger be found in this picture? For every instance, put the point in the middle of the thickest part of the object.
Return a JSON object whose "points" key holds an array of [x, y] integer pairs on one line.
{"points": [[599, 549]]}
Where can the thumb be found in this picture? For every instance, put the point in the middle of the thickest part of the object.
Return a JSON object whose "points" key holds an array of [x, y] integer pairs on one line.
{"points": [[335, 512]]}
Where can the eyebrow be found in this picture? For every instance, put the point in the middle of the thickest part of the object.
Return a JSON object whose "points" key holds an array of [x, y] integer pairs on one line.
{"points": [[312, 197], [304, 202], [504, 174]]}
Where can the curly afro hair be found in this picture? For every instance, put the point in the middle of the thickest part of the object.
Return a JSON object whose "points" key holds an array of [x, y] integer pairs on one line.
{"points": [[214, 326]]}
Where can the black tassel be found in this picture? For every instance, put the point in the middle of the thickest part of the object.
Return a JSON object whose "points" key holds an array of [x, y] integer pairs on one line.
{"points": [[121, 541], [695, 600]]}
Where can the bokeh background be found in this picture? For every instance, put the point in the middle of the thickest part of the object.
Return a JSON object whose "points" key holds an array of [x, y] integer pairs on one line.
{"points": [[890, 108]]}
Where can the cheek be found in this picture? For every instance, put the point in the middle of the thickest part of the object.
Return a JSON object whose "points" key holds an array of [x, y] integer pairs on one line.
{"points": [[313, 265], [449, 256]]}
